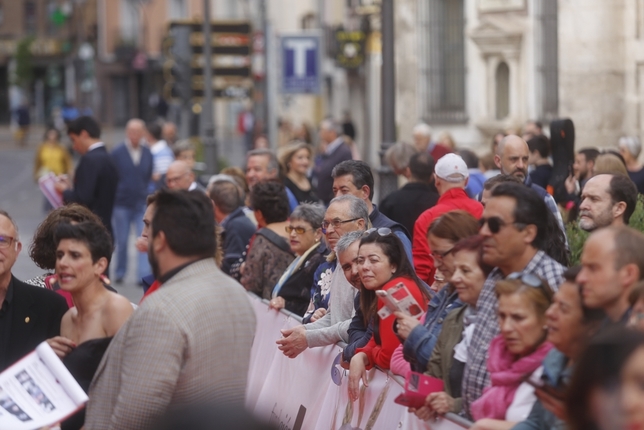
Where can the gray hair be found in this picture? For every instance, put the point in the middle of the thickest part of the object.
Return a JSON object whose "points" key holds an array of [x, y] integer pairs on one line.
{"points": [[183, 145], [347, 240], [313, 213], [398, 155], [331, 124], [632, 144], [273, 164], [357, 207], [422, 129], [15, 226]]}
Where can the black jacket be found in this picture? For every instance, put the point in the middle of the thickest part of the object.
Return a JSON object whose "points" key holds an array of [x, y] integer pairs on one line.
{"points": [[237, 231], [35, 316], [95, 183], [406, 204]]}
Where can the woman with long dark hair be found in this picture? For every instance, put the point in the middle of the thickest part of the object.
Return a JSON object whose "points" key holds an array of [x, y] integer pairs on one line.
{"points": [[383, 264]]}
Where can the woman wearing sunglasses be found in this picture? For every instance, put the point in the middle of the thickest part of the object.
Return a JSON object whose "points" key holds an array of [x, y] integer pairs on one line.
{"points": [[293, 290], [516, 354], [447, 361], [383, 264], [419, 337]]}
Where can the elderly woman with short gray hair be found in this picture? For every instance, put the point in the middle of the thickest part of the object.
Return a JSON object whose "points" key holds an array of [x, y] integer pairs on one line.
{"points": [[293, 290]]}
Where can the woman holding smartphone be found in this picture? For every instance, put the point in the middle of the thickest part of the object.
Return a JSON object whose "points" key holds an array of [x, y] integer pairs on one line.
{"points": [[383, 264]]}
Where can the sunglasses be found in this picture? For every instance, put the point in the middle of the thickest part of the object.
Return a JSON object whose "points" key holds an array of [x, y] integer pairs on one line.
{"points": [[299, 230], [533, 281], [495, 224], [440, 255], [382, 231]]}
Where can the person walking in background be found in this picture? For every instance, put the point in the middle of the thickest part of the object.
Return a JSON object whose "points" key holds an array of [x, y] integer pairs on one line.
{"points": [[23, 120], [134, 163], [630, 148], [51, 156], [332, 151], [96, 177], [162, 156]]}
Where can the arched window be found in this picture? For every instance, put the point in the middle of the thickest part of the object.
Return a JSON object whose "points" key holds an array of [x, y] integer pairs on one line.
{"points": [[502, 79]]}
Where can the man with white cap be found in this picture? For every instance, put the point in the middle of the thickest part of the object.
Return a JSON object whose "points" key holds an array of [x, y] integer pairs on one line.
{"points": [[450, 176]]}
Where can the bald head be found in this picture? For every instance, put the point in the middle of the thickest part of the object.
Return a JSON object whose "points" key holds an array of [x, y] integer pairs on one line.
{"points": [[512, 155], [134, 130], [179, 176]]}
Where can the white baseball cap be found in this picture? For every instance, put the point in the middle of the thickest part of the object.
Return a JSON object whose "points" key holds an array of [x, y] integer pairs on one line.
{"points": [[451, 168]]}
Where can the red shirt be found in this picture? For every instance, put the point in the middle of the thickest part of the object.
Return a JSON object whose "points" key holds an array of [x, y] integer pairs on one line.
{"points": [[454, 199], [380, 354], [438, 151]]}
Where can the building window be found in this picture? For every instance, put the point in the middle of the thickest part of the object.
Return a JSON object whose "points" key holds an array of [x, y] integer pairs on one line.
{"points": [[442, 60], [129, 14], [502, 84], [177, 9], [30, 17], [548, 60]]}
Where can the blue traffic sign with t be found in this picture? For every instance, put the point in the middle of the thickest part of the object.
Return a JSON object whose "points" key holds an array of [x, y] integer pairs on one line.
{"points": [[301, 64]]}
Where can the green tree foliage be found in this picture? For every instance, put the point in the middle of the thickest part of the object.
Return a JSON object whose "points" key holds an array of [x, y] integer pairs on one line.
{"points": [[24, 63], [577, 237]]}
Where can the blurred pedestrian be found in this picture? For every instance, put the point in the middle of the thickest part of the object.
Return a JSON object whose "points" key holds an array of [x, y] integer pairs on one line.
{"points": [[332, 151], [51, 157]]}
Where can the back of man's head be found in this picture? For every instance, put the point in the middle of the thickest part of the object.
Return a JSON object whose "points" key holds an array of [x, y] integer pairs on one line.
{"points": [[399, 155], [85, 123], [623, 189], [421, 166], [531, 209], [470, 158], [540, 144], [452, 170], [360, 171], [629, 244], [269, 198], [154, 128], [226, 195], [188, 222]]}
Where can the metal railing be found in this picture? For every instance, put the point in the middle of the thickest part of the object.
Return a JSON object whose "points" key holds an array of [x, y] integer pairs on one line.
{"points": [[452, 417]]}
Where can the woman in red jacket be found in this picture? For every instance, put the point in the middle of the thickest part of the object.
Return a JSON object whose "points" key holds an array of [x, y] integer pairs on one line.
{"points": [[383, 264]]}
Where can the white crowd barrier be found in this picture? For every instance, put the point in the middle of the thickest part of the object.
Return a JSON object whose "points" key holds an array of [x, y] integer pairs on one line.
{"points": [[299, 394]]}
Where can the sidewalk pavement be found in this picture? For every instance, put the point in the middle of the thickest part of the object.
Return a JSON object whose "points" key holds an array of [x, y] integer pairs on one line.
{"points": [[111, 137]]}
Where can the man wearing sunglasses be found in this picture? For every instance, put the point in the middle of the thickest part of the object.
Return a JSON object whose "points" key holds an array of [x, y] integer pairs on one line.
{"points": [[345, 214], [518, 239], [450, 177]]}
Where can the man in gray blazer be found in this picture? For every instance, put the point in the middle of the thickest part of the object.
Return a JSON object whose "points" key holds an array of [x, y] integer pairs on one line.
{"points": [[190, 341]]}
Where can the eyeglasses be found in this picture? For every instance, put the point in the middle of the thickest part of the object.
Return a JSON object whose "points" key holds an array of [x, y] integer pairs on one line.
{"points": [[336, 223], [495, 224], [6, 241], [382, 231], [531, 280], [299, 230], [440, 255]]}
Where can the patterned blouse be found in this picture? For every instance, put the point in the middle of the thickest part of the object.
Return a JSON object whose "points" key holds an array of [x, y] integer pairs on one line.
{"points": [[266, 260]]}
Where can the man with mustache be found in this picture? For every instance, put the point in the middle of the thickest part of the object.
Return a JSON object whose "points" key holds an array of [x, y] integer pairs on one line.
{"points": [[511, 158], [607, 200]]}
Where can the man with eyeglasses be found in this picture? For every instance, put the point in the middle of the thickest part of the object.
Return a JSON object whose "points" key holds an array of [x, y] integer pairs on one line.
{"points": [[345, 214], [355, 177], [181, 177], [518, 241], [450, 177], [28, 314], [612, 262]]}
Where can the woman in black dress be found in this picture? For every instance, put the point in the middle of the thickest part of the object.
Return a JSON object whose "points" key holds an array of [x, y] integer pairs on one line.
{"points": [[83, 252], [295, 159]]}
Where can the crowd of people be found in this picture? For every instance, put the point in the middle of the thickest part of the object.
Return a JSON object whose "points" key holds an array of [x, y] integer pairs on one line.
{"points": [[520, 337]]}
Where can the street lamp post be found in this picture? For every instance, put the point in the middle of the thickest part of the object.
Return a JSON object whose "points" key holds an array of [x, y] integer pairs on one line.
{"points": [[207, 115], [388, 182]]}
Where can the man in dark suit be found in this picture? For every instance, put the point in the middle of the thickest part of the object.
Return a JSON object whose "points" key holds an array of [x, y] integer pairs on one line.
{"points": [[134, 163], [96, 177], [28, 314]]}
